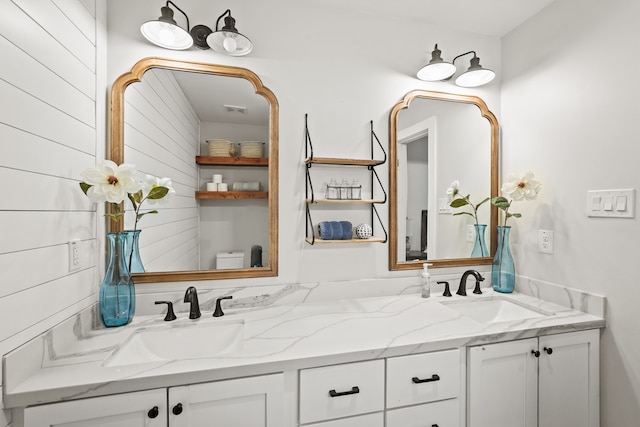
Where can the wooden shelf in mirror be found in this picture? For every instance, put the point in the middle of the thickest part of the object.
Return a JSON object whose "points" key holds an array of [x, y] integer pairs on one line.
{"points": [[369, 240], [232, 161], [232, 194], [344, 202], [342, 162]]}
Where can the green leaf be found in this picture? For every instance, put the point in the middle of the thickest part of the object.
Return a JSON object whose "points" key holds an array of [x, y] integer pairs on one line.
{"points": [[114, 216], [140, 215], [516, 215], [158, 193], [462, 213], [138, 196], [484, 201], [133, 201], [85, 187], [457, 203], [501, 202]]}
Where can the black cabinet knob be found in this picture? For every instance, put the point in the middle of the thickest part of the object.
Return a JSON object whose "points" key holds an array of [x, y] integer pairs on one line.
{"points": [[536, 353], [177, 410], [153, 412], [548, 350]]}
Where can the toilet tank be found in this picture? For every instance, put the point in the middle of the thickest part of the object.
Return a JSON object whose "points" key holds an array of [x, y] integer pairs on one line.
{"points": [[229, 260]]}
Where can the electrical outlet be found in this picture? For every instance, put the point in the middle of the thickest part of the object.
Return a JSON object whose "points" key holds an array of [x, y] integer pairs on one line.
{"points": [[471, 233], [545, 241], [74, 254], [443, 206]]}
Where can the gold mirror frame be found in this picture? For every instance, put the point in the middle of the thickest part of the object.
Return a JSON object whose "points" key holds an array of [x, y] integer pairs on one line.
{"points": [[394, 264], [116, 153]]}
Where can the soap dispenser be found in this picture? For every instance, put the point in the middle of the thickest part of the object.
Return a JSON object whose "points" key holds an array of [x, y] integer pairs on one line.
{"points": [[425, 284]]}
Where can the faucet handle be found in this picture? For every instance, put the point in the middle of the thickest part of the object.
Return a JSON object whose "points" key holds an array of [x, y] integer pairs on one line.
{"points": [[447, 292], [218, 311], [479, 279], [170, 314]]}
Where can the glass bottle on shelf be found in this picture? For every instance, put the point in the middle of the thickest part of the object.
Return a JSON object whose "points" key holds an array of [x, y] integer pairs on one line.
{"points": [[332, 190], [356, 190], [345, 190]]}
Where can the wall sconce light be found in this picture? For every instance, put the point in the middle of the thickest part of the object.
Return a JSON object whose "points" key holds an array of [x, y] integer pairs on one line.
{"points": [[164, 32], [439, 70]]}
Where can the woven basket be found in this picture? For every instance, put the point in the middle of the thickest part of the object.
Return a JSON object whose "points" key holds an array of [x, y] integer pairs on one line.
{"points": [[219, 147], [252, 149]]}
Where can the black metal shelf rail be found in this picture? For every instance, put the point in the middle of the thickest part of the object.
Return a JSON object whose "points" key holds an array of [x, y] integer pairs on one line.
{"points": [[309, 193]]}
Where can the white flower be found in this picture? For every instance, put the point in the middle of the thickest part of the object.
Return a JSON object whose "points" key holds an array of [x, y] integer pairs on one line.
{"points": [[520, 187], [150, 182], [110, 182], [453, 189]]}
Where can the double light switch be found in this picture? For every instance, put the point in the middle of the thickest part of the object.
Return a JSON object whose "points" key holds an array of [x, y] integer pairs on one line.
{"points": [[611, 203]]}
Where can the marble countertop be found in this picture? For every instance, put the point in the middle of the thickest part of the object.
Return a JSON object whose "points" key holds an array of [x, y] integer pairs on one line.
{"points": [[68, 361]]}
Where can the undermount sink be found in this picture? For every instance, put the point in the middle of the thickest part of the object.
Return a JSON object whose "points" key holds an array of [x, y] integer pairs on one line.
{"points": [[493, 310], [182, 341]]}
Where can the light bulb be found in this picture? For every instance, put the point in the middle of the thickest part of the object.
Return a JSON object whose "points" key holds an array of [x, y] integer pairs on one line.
{"points": [[230, 44]]}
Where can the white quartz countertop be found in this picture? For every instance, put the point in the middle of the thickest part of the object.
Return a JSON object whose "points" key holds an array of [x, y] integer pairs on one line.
{"points": [[67, 363]]}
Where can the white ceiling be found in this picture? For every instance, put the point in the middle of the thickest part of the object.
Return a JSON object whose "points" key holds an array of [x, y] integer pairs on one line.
{"points": [[486, 17]]}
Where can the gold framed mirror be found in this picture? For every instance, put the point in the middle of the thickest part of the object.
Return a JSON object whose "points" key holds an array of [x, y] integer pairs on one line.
{"points": [[235, 219], [436, 138]]}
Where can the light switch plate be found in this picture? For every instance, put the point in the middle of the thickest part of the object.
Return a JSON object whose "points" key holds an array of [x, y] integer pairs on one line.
{"points": [[611, 203], [443, 206]]}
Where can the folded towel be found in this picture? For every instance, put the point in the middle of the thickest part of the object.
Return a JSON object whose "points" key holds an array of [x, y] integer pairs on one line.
{"points": [[335, 230]]}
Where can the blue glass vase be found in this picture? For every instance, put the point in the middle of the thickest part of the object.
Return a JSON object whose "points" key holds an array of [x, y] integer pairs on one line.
{"points": [[132, 251], [503, 271], [117, 301], [480, 246]]}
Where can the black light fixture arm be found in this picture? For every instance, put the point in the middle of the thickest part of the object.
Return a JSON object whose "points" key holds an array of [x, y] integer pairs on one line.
{"points": [[463, 54], [181, 11], [227, 12]]}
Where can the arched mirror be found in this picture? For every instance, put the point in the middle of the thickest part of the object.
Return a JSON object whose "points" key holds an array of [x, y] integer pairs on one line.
{"points": [[163, 112], [435, 139]]}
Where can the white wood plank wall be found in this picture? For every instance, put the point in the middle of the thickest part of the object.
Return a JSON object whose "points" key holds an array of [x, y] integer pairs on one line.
{"points": [[47, 137], [162, 134]]}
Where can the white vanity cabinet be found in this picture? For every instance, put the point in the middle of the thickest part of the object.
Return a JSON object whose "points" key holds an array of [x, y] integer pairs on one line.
{"points": [[247, 402], [550, 381], [139, 409]]}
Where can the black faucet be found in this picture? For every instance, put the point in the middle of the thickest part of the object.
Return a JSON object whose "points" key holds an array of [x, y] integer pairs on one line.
{"points": [[170, 314], [191, 296], [462, 289], [218, 311]]}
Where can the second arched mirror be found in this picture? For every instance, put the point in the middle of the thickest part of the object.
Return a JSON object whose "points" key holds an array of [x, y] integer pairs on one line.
{"points": [[437, 139], [200, 124]]}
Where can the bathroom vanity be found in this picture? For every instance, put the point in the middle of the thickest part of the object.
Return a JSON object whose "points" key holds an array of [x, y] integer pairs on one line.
{"points": [[395, 361]]}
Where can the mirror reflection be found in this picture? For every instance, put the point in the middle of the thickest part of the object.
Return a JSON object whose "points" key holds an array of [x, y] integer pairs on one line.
{"points": [[437, 139], [213, 131]]}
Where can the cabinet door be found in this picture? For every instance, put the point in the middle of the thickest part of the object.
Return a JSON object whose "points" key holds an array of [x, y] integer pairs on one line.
{"points": [[144, 409], [370, 420], [503, 385], [568, 379], [246, 402]]}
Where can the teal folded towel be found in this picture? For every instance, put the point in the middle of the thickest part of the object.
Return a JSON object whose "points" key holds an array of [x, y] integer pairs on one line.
{"points": [[335, 230]]}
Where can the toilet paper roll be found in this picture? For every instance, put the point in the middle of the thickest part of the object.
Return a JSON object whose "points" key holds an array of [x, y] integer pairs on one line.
{"points": [[217, 178], [223, 186], [212, 186]]}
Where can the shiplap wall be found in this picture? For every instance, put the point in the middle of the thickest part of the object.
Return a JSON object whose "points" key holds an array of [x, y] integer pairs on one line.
{"points": [[162, 134], [47, 137]]}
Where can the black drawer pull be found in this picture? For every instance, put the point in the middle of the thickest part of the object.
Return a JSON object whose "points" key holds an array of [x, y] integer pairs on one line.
{"points": [[434, 425], [434, 377], [354, 390], [177, 410], [153, 412]]}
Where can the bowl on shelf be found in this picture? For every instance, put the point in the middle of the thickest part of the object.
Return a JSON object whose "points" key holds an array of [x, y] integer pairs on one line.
{"points": [[254, 149]]}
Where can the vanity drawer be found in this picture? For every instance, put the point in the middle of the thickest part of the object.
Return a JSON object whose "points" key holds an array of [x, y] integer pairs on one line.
{"points": [[341, 390], [369, 420], [422, 378], [441, 414]]}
